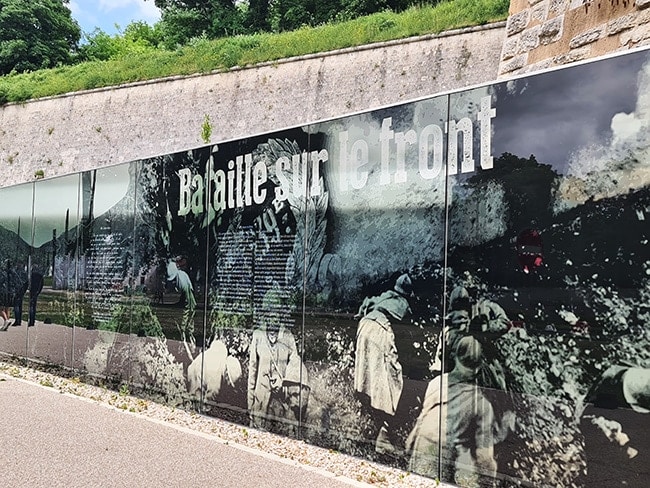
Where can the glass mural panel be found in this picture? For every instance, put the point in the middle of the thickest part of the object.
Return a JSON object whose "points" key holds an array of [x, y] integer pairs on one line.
{"points": [[374, 286], [548, 282], [256, 235], [106, 288], [15, 250], [53, 270], [170, 263]]}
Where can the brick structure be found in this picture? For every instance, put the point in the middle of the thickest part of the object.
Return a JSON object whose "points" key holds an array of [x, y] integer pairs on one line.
{"points": [[546, 33]]}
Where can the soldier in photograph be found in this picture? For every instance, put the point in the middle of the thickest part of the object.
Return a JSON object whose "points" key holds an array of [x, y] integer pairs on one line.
{"points": [[272, 348], [456, 422], [378, 380]]}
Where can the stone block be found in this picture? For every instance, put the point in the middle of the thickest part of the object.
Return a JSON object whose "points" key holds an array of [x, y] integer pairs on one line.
{"points": [[539, 13], [587, 37], [622, 23], [642, 3], [573, 56], [529, 39], [510, 48], [559, 6], [515, 63], [643, 17], [517, 23], [636, 35], [551, 31]]}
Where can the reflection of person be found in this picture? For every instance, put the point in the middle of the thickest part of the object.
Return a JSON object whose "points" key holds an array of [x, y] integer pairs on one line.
{"points": [[378, 378], [35, 288], [614, 424], [457, 420], [219, 368], [13, 286], [272, 347]]}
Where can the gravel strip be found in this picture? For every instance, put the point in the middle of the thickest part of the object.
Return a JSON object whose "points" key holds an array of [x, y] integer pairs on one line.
{"points": [[296, 450]]}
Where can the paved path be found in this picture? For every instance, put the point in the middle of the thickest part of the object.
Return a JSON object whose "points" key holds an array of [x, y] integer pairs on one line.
{"points": [[49, 439]]}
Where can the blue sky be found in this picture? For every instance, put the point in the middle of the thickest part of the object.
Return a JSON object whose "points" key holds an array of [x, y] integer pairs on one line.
{"points": [[106, 13]]}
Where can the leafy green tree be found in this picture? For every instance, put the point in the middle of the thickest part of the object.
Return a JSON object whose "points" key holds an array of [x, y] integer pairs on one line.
{"points": [[183, 20], [137, 37], [36, 34], [257, 17], [292, 14]]}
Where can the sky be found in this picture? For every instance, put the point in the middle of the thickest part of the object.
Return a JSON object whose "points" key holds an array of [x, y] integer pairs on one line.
{"points": [[106, 13], [557, 114]]}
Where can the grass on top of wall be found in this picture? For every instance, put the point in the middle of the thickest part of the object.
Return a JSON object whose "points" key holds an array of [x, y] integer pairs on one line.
{"points": [[204, 55]]}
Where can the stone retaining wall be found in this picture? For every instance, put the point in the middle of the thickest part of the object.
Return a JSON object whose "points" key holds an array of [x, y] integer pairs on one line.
{"points": [[80, 131]]}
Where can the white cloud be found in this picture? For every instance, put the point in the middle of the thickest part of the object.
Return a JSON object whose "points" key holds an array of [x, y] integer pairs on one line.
{"points": [[149, 11], [105, 14], [616, 166]]}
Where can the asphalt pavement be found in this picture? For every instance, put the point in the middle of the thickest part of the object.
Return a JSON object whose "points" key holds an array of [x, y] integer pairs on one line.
{"points": [[51, 439]]}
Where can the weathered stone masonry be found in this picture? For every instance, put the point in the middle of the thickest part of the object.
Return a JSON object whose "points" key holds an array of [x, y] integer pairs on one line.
{"points": [[92, 129], [542, 34]]}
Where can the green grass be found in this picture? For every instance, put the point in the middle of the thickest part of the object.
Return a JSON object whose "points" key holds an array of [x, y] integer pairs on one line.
{"points": [[203, 55]]}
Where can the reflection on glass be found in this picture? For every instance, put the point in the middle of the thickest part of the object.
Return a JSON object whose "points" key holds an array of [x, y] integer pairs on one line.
{"points": [[53, 311], [373, 299], [255, 272], [169, 267], [15, 249], [547, 259], [105, 267]]}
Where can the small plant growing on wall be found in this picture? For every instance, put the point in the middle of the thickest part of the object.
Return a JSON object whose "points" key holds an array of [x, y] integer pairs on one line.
{"points": [[206, 129], [39, 174]]}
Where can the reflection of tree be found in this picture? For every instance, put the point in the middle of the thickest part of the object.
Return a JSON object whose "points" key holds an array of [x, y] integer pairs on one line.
{"points": [[88, 186], [12, 246], [160, 233]]}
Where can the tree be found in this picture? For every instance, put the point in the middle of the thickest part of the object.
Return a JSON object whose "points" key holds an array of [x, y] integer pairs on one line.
{"points": [[138, 37], [257, 16], [36, 34], [182, 20]]}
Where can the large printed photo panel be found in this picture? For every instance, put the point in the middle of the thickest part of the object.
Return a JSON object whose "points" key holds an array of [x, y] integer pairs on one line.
{"points": [[373, 300], [106, 286], [168, 309], [53, 274], [257, 189], [15, 251], [548, 283]]}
